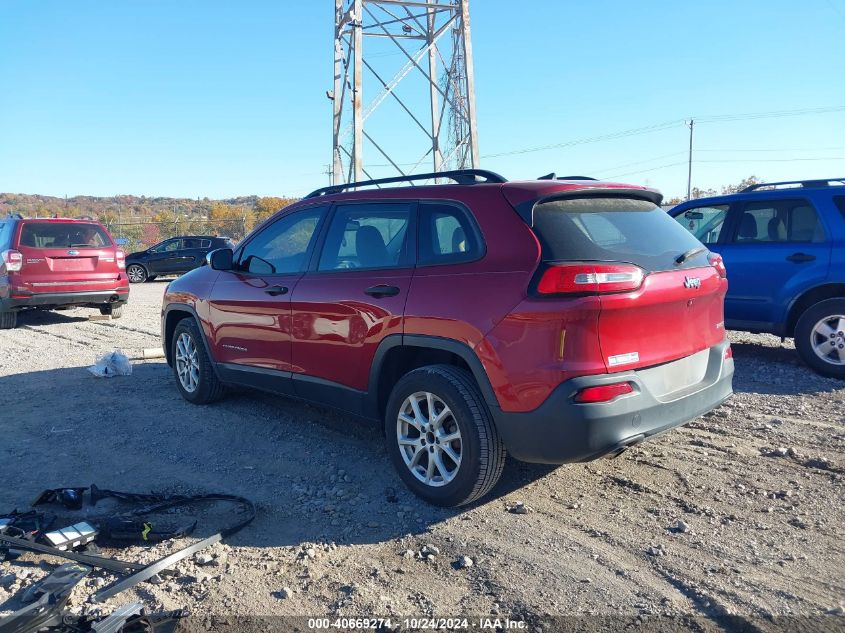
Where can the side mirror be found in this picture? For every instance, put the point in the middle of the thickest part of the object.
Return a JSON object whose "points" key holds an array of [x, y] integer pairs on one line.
{"points": [[220, 259]]}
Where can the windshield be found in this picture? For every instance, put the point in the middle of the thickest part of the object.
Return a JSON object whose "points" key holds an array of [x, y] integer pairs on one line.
{"points": [[63, 235], [615, 230]]}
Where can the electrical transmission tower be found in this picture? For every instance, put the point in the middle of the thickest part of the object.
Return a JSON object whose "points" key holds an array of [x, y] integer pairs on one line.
{"points": [[422, 50]]}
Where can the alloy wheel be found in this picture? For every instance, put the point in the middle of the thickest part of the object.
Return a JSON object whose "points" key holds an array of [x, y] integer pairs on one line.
{"points": [[429, 439], [136, 274], [187, 363], [828, 339]]}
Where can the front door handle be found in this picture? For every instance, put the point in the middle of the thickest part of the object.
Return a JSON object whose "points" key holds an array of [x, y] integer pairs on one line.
{"points": [[275, 291], [382, 291], [800, 257]]}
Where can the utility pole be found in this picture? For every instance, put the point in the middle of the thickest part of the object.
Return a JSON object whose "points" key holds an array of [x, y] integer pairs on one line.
{"points": [[431, 41], [691, 124]]}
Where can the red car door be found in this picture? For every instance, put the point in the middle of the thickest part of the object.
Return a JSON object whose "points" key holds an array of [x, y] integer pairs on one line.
{"points": [[249, 307], [353, 297]]}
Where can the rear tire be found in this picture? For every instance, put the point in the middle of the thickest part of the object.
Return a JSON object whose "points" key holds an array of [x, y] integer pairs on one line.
{"points": [[8, 320], [114, 312], [419, 445], [195, 377], [137, 274], [820, 337]]}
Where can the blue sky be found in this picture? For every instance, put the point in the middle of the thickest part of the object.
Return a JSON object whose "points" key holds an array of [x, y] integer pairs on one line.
{"points": [[223, 98]]}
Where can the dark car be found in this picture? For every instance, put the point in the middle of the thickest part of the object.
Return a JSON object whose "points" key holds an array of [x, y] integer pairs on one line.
{"points": [[784, 246], [57, 263], [172, 257], [559, 321]]}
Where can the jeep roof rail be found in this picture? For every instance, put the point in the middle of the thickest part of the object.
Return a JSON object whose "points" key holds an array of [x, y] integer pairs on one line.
{"points": [[460, 176], [807, 184], [554, 176]]}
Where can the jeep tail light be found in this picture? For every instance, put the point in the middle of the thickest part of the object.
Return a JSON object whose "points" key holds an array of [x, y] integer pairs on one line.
{"points": [[590, 278], [718, 263], [120, 258], [12, 260], [729, 353], [603, 393]]}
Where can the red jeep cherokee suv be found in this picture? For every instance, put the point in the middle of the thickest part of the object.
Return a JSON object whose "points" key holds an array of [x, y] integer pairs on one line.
{"points": [[57, 263], [557, 320]]}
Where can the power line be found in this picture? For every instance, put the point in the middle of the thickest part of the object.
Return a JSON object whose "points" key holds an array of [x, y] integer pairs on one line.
{"points": [[657, 127], [726, 160]]}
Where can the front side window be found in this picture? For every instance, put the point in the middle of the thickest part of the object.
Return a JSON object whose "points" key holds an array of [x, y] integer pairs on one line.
{"points": [[366, 236], [446, 235], [778, 221], [63, 235], [282, 247], [167, 247], [705, 223]]}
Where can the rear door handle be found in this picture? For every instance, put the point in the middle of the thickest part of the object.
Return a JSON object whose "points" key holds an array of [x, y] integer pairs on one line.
{"points": [[275, 291], [382, 291], [800, 257]]}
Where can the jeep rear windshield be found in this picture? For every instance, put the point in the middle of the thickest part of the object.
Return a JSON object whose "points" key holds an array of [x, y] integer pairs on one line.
{"points": [[613, 229], [63, 235]]}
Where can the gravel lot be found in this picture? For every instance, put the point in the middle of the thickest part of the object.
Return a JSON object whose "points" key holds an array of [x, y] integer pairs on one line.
{"points": [[739, 513]]}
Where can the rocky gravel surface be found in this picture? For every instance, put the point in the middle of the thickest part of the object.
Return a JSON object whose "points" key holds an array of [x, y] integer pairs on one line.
{"points": [[740, 513]]}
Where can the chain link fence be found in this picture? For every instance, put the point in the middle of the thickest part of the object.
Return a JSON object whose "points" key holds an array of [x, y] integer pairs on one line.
{"points": [[140, 236]]}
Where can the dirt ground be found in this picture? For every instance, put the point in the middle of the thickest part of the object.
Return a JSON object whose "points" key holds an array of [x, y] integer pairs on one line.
{"points": [[740, 513]]}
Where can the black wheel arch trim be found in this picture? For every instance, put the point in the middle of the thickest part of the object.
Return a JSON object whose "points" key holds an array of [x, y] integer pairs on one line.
{"points": [[461, 350], [184, 307]]}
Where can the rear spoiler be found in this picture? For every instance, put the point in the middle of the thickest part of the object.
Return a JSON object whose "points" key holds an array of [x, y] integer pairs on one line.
{"points": [[526, 209]]}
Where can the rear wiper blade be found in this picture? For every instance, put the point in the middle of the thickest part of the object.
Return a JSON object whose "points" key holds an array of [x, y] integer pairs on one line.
{"points": [[680, 259]]}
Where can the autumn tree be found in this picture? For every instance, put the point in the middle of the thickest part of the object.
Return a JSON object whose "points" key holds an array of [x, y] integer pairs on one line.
{"points": [[265, 207]]}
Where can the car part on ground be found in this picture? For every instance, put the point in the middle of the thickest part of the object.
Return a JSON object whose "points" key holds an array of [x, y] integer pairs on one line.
{"points": [[134, 526], [50, 264], [46, 601], [525, 316], [783, 245]]}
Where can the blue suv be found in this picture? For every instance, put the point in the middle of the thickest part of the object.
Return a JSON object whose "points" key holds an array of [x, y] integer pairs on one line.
{"points": [[784, 247]]}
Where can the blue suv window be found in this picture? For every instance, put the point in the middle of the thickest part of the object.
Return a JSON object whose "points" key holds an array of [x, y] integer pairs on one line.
{"points": [[705, 222], [840, 203], [778, 221]]}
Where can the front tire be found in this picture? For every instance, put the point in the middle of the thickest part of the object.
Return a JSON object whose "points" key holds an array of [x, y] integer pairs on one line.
{"points": [[8, 320], [195, 377], [820, 337], [137, 274], [441, 437]]}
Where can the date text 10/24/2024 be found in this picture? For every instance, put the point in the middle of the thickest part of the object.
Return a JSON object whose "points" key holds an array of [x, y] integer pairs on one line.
{"points": [[417, 624]]}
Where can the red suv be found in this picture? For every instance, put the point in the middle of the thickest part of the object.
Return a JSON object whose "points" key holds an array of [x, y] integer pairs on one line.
{"points": [[56, 263], [557, 320]]}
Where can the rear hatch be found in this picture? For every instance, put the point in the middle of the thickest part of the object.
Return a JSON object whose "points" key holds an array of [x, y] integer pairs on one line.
{"points": [[60, 256], [661, 292]]}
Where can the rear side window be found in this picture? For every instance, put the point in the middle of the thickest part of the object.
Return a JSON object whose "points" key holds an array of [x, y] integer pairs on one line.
{"points": [[778, 221], [447, 235], [63, 235], [610, 229]]}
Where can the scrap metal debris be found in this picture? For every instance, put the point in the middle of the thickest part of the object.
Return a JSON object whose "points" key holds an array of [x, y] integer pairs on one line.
{"points": [[46, 599]]}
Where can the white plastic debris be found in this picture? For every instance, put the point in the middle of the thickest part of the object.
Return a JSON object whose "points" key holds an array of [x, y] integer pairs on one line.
{"points": [[112, 364]]}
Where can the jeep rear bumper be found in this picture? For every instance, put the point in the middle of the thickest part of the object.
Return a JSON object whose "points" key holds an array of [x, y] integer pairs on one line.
{"points": [[561, 431], [48, 300]]}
